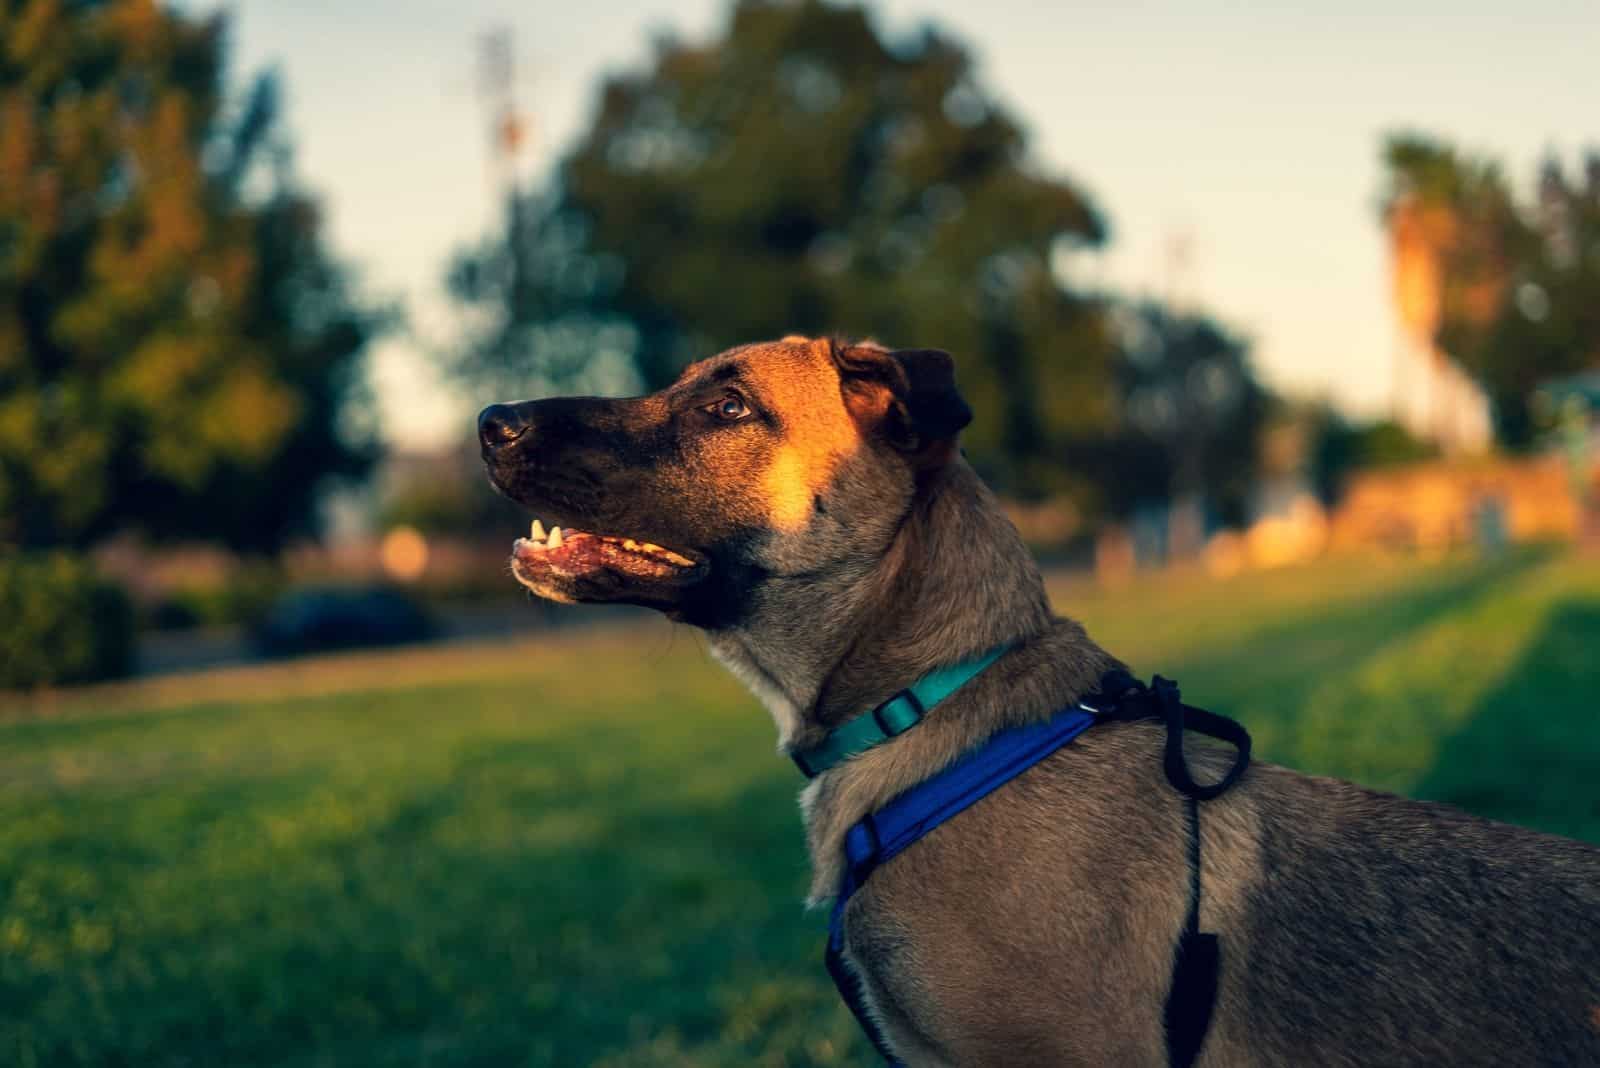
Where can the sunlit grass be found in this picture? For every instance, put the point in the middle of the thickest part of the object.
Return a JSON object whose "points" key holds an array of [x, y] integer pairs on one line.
{"points": [[583, 849]]}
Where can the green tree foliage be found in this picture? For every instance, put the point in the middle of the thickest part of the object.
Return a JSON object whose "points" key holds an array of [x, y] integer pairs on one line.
{"points": [[1190, 415], [444, 494], [1520, 292], [1340, 447], [62, 623], [176, 347], [803, 174]]}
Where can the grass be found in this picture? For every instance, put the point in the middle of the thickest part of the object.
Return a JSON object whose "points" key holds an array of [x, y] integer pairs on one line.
{"points": [[584, 851]]}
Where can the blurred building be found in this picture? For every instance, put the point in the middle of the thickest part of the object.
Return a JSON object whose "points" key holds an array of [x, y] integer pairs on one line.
{"points": [[1434, 398], [1438, 506]]}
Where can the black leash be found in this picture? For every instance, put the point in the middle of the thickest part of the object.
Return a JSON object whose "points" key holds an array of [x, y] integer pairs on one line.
{"points": [[1192, 997]]}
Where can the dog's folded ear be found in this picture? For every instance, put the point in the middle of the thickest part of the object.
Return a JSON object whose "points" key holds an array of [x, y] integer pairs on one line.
{"points": [[907, 395]]}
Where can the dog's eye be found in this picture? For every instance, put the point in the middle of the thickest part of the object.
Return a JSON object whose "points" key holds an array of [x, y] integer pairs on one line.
{"points": [[730, 408]]}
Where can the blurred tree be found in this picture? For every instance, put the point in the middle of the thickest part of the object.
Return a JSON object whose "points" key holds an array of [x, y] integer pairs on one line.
{"points": [[1518, 286], [1191, 414], [177, 350], [802, 174], [1340, 447], [443, 493]]}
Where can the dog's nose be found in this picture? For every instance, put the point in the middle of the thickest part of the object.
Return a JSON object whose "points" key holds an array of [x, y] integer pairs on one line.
{"points": [[499, 424]]}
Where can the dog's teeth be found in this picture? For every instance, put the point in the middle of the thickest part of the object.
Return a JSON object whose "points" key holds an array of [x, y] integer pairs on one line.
{"points": [[555, 538], [630, 544], [651, 547], [536, 532]]}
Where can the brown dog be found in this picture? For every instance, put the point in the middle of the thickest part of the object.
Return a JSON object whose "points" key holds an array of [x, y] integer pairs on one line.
{"points": [[804, 502]]}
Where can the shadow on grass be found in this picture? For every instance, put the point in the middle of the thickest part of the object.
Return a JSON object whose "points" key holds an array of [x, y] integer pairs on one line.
{"points": [[1269, 675], [1530, 753]]}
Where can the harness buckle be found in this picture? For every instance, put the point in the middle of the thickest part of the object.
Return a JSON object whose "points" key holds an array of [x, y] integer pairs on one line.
{"points": [[862, 849], [900, 721]]}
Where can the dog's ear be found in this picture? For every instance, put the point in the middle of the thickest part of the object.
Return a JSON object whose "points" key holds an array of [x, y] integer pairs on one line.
{"points": [[907, 395]]}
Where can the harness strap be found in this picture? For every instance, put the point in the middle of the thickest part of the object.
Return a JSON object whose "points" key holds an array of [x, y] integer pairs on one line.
{"points": [[882, 835], [848, 983], [1197, 961], [1122, 697], [1192, 997]]}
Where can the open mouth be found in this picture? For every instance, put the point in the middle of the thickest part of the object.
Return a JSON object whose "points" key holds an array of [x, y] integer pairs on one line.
{"points": [[573, 565]]}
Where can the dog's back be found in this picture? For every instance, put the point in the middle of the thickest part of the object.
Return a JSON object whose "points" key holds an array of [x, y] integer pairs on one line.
{"points": [[1387, 931]]}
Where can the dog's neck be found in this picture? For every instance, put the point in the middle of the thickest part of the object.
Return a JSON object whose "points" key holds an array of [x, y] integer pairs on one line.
{"points": [[955, 582]]}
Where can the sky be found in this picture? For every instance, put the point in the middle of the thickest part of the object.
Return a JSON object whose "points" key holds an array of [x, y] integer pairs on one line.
{"points": [[1247, 135]]}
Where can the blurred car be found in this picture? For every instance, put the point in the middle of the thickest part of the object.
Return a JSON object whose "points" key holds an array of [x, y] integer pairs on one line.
{"points": [[319, 619]]}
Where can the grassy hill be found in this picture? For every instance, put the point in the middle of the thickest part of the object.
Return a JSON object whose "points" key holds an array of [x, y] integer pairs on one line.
{"points": [[583, 850]]}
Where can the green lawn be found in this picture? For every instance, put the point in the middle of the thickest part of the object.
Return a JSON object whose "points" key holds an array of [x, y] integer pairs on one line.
{"points": [[584, 851]]}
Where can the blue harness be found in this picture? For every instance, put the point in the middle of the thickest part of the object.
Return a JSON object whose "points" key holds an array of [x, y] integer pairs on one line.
{"points": [[882, 835]]}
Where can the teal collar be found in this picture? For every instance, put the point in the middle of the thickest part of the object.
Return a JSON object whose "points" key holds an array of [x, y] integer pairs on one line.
{"points": [[895, 716]]}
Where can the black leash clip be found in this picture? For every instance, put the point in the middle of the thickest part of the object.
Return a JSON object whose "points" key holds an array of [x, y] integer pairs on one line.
{"points": [[1123, 697]]}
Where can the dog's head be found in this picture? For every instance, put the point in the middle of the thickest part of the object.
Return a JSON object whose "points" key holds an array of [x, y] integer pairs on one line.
{"points": [[787, 458]]}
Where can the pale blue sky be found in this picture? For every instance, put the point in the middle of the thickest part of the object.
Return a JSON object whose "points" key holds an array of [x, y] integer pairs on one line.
{"points": [[1250, 129]]}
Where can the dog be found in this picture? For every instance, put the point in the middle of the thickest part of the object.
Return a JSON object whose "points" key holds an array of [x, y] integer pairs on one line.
{"points": [[805, 503]]}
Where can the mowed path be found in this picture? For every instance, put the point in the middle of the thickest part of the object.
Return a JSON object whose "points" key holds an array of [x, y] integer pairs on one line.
{"points": [[583, 850]]}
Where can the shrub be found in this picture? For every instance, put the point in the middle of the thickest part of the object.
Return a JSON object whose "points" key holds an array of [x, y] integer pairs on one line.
{"points": [[60, 622], [242, 598]]}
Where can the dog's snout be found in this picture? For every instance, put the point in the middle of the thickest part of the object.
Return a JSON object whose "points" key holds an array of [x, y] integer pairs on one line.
{"points": [[500, 425]]}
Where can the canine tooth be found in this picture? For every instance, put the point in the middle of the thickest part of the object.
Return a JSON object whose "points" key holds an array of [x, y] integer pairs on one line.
{"points": [[555, 538], [536, 532], [629, 543], [652, 547]]}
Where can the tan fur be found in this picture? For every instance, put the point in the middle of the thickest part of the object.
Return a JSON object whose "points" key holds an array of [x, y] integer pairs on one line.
{"points": [[804, 386]]}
